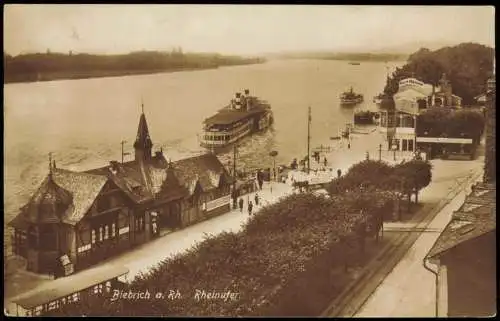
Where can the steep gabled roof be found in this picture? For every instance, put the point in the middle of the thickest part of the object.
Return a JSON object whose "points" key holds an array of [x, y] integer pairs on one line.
{"points": [[205, 169], [48, 203], [76, 191], [147, 180], [474, 218]]}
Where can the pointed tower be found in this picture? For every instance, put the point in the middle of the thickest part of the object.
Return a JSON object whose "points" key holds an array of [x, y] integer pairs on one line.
{"points": [[143, 143]]}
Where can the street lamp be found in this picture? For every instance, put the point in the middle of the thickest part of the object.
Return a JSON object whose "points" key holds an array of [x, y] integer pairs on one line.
{"points": [[273, 154], [394, 148]]}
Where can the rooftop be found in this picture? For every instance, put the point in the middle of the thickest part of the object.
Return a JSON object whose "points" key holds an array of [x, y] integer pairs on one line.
{"points": [[228, 115], [66, 286], [82, 187], [474, 218]]}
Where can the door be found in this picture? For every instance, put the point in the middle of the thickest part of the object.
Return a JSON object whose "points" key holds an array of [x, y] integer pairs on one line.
{"points": [[405, 145], [155, 229]]}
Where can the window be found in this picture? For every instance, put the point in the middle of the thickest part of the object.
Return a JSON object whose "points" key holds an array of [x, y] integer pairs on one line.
{"points": [[38, 310], [53, 305], [98, 288], [405, 145], [410, 144], [113, 230], [101, 234], [106, 232], [93, 236], [139, 222]]}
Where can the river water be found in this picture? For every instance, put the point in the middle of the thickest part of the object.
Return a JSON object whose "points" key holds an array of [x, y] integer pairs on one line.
{"points": [[82, 122]]}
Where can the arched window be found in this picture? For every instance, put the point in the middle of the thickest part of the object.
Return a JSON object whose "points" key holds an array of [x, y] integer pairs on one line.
{"points": [[113, 230], [101, 234], [93, 236]]}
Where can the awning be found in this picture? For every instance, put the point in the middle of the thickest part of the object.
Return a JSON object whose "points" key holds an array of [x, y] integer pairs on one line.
{"points": [[66, 286]]}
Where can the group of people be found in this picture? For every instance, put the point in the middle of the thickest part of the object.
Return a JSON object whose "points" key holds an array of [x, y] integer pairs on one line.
{"points": [[241, 203], [317, 157]]}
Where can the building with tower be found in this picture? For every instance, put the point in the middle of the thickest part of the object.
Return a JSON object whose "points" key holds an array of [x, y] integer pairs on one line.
{"points": [[413, 97], [77, 219]]}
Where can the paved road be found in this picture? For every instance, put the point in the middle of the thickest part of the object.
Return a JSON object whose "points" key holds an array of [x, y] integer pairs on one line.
{"points": [[408, 291], [395, 281]]}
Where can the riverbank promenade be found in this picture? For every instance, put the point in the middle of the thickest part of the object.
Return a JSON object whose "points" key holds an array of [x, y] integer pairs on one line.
{"points": [[140, 259]]}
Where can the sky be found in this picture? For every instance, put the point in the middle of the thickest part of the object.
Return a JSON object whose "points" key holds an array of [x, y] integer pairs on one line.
{"points": [[238, 29]]}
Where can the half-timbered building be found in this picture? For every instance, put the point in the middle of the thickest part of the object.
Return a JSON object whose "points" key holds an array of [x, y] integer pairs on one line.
{"points": [[77, 219]]}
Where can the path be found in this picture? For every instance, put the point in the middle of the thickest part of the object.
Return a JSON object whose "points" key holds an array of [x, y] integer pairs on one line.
{"points": [[446, 183], [140, 259]]}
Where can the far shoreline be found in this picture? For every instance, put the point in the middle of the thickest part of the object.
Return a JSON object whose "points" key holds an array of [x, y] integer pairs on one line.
{"points": [[53, 76]]}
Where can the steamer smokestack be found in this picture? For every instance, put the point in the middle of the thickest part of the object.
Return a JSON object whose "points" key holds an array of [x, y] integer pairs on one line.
{"points": [[238, 100]]}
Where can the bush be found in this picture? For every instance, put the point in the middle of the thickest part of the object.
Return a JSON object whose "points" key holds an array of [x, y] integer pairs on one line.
{"points": [[288, 241], [443, 122]]}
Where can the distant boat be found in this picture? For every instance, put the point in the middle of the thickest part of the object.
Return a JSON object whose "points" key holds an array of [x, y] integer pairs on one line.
{"points": [[350, 98], [355, 63], [365, 117], [378, 99]]}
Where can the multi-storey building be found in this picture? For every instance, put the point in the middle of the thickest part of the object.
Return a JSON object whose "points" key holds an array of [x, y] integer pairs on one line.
{"points": [[413, 97]]}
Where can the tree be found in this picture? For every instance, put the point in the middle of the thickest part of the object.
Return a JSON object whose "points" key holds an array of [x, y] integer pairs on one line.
{"points": [[468, 66], [464, 123], [413, 176]]}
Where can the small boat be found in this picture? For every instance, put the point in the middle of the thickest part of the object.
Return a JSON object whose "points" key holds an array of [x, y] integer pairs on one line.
{"points": [[350, 98], [365, 117], [355, 63]]}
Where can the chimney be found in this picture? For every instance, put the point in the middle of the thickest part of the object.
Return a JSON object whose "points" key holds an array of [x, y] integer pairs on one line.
{"points": [[238, 100]]}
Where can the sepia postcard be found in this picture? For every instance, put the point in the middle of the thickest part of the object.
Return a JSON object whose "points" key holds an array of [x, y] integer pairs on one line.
{"points": [[249, 160]]}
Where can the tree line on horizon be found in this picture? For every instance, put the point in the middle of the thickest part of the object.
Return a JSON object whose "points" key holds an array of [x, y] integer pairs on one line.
{"points": [[467, 66], [354, 56], [48, 66]]}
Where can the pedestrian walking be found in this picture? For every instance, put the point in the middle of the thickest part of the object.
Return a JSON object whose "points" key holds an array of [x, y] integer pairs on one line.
{"points": [[256, 199], [349, 145], [241, 204], [250, 206], [326, 162], [339, 173]]}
